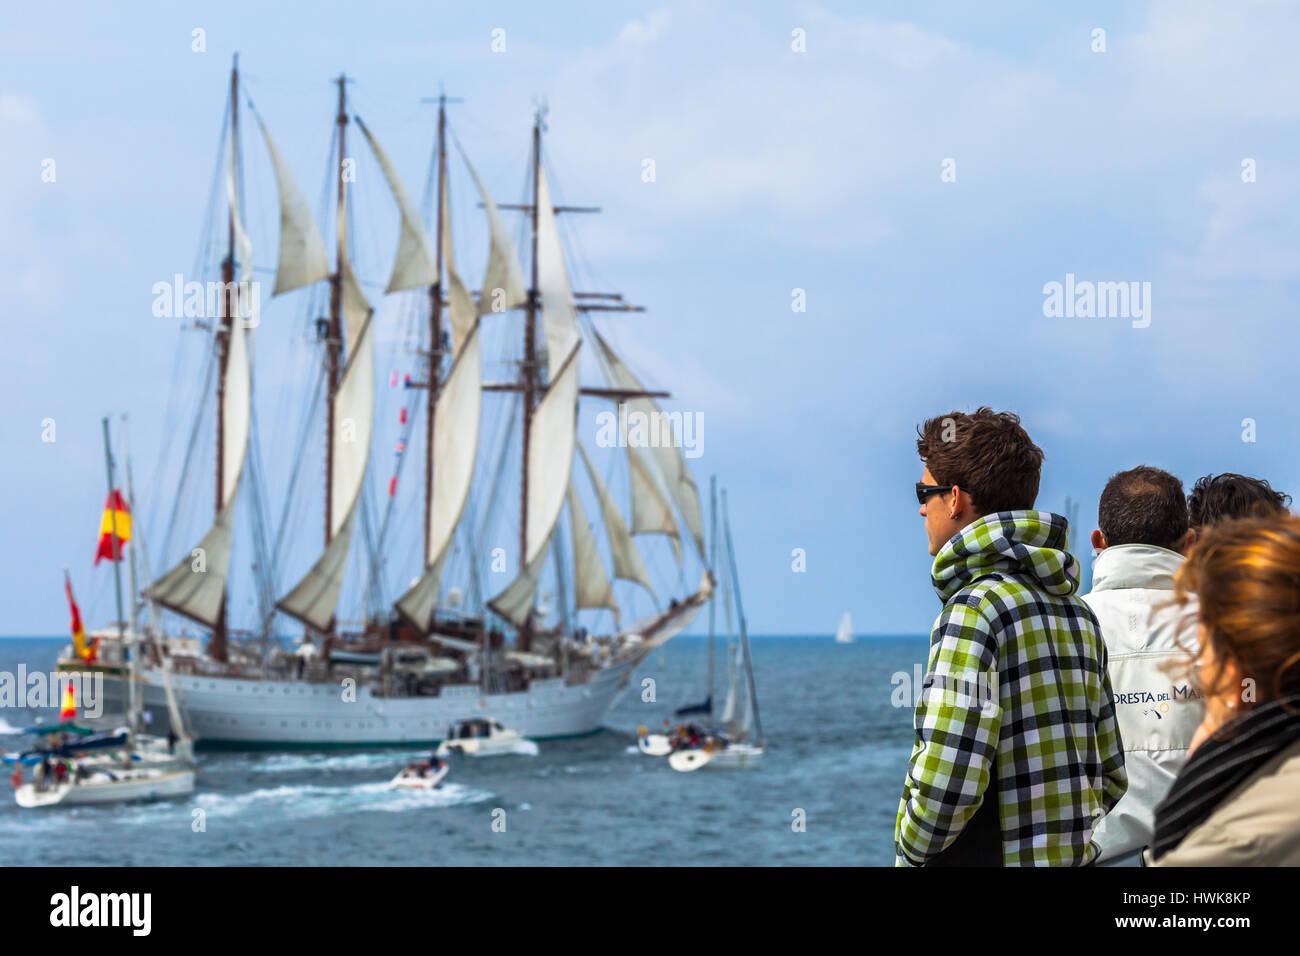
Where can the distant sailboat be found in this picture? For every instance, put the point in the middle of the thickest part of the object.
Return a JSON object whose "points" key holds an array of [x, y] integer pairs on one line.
{"points": [[845, 633], [742, 745]]}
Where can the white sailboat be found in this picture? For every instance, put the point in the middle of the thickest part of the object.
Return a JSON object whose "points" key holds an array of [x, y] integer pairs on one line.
{"points": [[530, 663], [105, 785], [844, 634], [741, 745], [77, 767]]}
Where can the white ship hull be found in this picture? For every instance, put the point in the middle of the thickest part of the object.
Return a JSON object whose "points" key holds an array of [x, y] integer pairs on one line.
{"points": [[731, 757], [269, 713], [130, 785]]}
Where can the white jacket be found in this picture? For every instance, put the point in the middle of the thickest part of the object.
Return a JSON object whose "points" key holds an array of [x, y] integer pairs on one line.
{"points": [[1158, 713]]}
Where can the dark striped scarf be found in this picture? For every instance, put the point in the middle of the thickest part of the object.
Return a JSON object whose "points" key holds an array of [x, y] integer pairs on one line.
{"points": [[1222, 763]]}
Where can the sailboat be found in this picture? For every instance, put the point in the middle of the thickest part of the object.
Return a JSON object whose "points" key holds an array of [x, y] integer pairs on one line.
{"points": [[115, 767], [844, 633], [741, 743], [175, 751], [439, 651], [100, 770]]}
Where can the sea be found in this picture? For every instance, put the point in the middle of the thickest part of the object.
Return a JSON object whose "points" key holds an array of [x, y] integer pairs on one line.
{"points": [[836, 718]]}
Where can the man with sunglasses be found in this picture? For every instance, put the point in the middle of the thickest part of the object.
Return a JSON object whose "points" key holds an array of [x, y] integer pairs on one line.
{"points": [[1018, 753]]}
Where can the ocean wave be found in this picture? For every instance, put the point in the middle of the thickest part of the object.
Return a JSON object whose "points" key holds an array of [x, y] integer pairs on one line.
{"points": [[295, 762], [314, 800]]}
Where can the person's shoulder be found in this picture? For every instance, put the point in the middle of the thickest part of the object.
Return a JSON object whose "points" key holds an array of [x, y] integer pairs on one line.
{"points": [[988, 586], [995, 591], [1257, 824]]}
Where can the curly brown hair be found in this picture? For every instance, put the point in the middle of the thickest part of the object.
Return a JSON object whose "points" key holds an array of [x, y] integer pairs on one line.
{"points": [[985, 453], [1245, 575]]}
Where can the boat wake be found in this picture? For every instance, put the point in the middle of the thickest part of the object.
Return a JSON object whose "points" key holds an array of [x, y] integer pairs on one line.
{"points": [[311, 800], [7, 729], [294, 763]]}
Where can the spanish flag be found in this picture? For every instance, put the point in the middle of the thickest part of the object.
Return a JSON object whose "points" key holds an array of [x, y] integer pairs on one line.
{"points": [[78, 631], [69, 709], [114, 509]]}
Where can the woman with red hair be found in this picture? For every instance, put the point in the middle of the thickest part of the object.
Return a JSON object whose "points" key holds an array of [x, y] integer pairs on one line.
{"points": [[1236, 801]]}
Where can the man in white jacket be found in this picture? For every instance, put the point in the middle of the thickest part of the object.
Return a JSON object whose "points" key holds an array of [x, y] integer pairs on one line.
{"points": [[1149, 640]]}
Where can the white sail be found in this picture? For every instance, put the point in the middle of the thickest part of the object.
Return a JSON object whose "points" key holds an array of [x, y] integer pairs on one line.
{"points": [[671, 465], [455, 445], [628, 565], [302, 251], [356, 309], [651, 513], [729, 706], [354, 406], [590, 583], [551, 440], [559, 319], [413, 265], [738, 711], [196, 586], [503, 282], [315, 598], [461, 311], [516, 601], [243, 245], [844, 634]]}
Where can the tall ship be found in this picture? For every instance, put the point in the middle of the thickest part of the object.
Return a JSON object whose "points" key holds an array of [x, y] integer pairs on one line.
{"points": [[476, 587]]}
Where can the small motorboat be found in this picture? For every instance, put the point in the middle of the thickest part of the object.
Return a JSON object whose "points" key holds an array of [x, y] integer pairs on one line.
{"points": [[424, 775], [653, 745], [483, 737]]}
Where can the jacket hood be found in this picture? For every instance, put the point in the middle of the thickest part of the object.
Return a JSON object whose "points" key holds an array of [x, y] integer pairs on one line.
{"points": [[1025, 542], [1135, 566]]}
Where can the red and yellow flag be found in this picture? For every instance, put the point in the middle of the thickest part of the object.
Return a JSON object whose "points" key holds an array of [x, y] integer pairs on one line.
{"points": [[115, 509], [78, 631], [69, 709]]}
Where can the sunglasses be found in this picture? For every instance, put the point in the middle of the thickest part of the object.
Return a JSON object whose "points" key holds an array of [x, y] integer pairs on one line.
{"points": [[924, 491]]}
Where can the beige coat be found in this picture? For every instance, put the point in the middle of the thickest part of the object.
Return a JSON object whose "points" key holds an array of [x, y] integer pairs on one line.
{"points": [[1257, 825]]}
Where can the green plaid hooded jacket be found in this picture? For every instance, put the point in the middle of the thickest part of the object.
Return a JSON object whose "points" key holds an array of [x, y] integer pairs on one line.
{"points": [[1016, 694]]}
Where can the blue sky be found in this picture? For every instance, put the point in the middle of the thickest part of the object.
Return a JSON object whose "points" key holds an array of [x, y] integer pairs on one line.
{"points": [[775, 171]]}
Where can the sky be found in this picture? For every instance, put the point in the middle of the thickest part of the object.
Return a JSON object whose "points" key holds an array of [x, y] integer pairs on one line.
{"points": [[914, 175]]}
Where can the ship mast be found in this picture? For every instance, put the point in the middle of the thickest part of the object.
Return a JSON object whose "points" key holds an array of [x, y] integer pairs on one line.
{"points": [[334, 333], [116, 557], [435, 329], [217, 643], [529, 368]]}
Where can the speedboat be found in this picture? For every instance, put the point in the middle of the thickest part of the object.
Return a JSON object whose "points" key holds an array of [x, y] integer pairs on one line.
{"points": [[483, 737], [426, 775], [653, 745]]}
